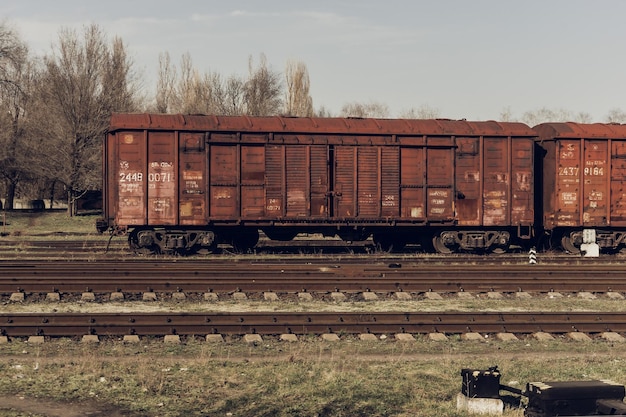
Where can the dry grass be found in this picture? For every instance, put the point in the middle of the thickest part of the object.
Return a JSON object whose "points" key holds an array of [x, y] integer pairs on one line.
{"points": [[306, 378], [347, 378]]}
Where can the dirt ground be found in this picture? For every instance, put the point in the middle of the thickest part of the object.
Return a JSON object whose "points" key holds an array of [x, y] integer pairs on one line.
{"points": [[57, 409]]}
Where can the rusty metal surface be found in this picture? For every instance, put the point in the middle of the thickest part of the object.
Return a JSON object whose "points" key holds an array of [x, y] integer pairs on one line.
{"points": [[435, 127], [192, 170], [583, 174]]}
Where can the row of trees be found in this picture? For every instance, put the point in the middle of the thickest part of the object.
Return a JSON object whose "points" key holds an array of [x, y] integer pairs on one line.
{"points": [[54, 109]]}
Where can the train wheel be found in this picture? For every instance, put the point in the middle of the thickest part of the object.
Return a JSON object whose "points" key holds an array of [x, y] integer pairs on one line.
{"points": [[499, 250], [568, 245], [440, 247], [146, 247], [143, 250]]}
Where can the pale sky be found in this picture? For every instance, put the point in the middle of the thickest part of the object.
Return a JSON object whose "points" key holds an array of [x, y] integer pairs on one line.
{"points": [[467, 58]]}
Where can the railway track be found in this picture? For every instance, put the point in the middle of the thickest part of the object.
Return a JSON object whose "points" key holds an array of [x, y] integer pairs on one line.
{"points": [[306, 323], [343, 276]]}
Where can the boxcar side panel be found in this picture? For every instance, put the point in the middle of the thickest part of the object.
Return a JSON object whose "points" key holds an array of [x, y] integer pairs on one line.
{"points": [[224, 174], [468, 181], [618, 179], [252, 181], [319, 181], [440, 180], [496, 182], [192, 179], [595, 175], [390, 181], [522, 181], [368, 181], [297, 163], [129, 177], [567, 205], [274, 181], [412, 183], [345, 181], [162, 175]]}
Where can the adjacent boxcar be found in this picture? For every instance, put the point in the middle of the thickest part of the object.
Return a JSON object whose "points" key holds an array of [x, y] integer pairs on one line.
{"points": [[187, 183], [583, 171]]}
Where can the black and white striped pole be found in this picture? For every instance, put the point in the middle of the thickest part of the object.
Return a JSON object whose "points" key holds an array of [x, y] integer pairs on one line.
{"points": [[532, 256]]}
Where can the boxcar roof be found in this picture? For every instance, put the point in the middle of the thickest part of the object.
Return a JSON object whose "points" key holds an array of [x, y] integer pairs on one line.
{"points": [[570, 130], [276, 124]]}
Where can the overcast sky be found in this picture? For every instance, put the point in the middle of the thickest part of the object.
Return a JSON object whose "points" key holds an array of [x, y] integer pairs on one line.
{"points": [[468, 59]]}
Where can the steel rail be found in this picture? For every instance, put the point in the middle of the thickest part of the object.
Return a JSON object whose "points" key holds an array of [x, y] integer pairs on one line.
{"points": [[169, 276], [303, 323]]}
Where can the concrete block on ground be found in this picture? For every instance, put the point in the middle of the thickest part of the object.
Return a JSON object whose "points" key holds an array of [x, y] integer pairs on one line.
{"points": [[494, 406], [252, 339], [465, 295], [579, 337], [369, 296], [117, 296], [523, 295], [368, 337], [36, 340], [53, 297], [338, 296], [404, 337], [614, 295], [210, 296], [493, 295], [288, 337], [179, 296], [90, 338], [149, 296], [3, 340], [401, 295], [613, 337], [214, 338], [305, 296], [554, 294], [506, 337], [88, 296], [270, 296], [330, 337], [131, 338], [240, 296], [17, 297], [433, 295], [437, 337], [171, 338], [543, 336], [472, 337], [586, 295]]}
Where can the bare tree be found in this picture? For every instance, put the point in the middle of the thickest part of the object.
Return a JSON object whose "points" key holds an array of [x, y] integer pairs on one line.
{"points": [[616, 115], [165, 83], [372, 109], [322, 111], [233, 99], [17, 73], [298, 101], [12, 53], [85, 80], [422, 112], [263, 89], [544, 114]]}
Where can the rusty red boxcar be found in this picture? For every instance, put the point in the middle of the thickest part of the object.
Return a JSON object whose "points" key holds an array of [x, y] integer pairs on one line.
{"points": [[582, 169], [188, 182]]}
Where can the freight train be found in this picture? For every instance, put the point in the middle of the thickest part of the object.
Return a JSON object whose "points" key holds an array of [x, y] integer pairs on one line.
{"points": [[186, 183]]}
